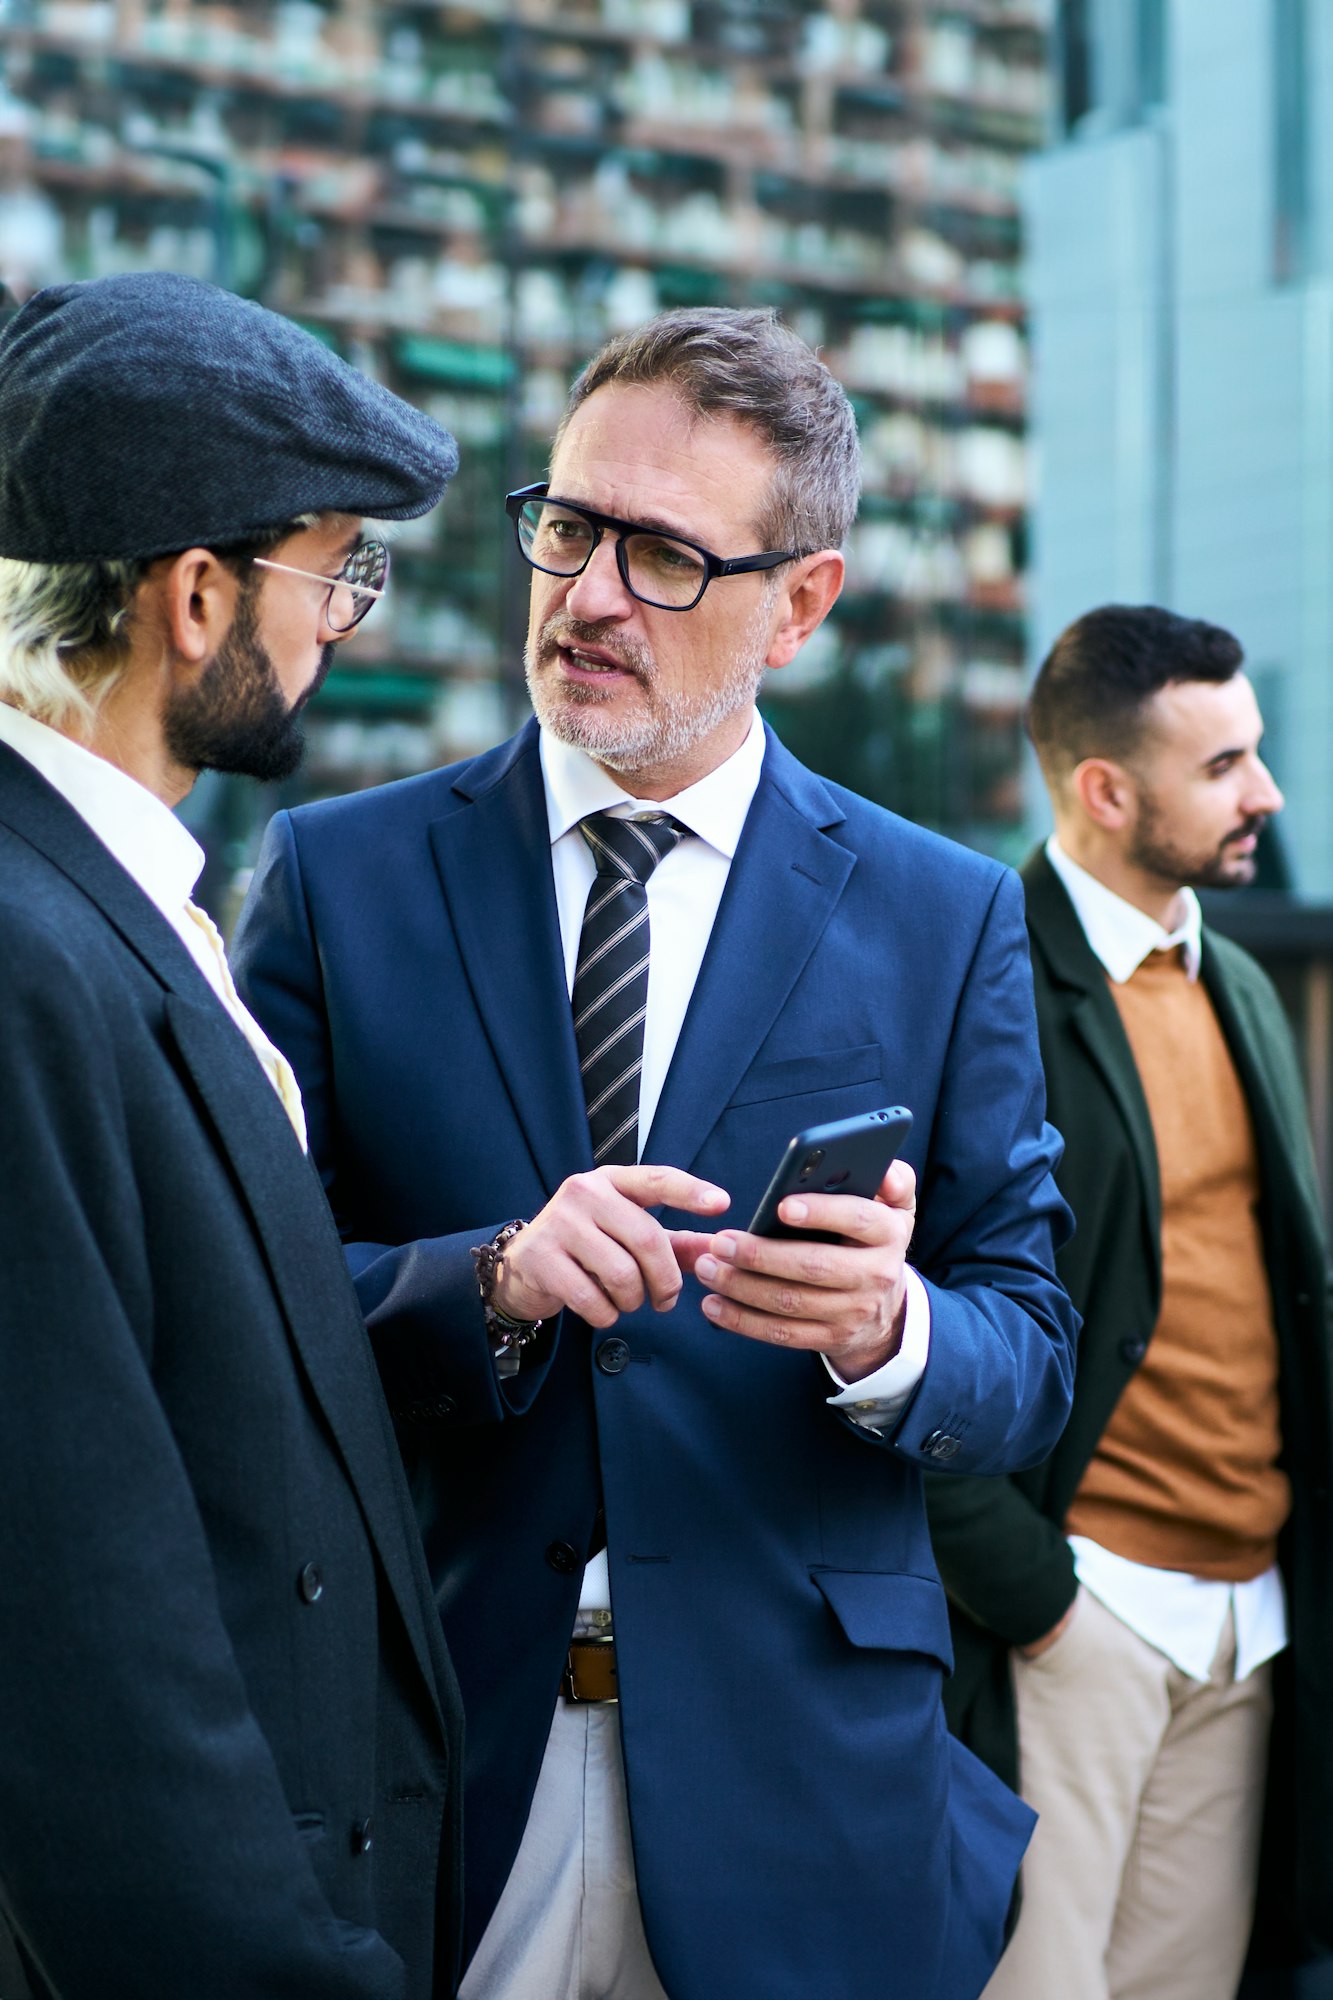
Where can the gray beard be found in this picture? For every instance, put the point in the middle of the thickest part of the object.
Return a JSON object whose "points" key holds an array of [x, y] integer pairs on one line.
{"points": [[675, 720]]}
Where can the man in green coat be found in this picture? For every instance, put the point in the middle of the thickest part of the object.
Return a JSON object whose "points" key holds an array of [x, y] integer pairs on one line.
{"points": [[1143, 1624]]}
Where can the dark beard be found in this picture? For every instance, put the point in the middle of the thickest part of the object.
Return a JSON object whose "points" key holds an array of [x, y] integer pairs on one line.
{"points": [[235, 717], [1152, 850]]}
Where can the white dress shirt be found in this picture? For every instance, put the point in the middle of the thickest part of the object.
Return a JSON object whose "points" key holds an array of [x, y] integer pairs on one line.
{"points": [[684, 891], [1182, 1616], [160, 855]]}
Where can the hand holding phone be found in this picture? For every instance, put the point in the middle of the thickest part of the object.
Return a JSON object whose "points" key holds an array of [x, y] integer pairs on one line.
{"points": [[847, 1302], [849, 1156]]}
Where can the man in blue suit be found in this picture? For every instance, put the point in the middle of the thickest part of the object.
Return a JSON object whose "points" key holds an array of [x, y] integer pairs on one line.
{"points": [[675, 1464]]}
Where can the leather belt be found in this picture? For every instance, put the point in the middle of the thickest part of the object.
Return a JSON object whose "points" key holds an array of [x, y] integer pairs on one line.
{"points": [[590, 1670]]}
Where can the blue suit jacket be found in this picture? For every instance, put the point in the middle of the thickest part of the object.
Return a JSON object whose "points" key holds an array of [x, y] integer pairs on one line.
{"points": [[802, 1822]]}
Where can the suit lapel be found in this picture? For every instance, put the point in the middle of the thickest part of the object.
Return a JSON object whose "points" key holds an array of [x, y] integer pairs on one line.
{"points": [[784, 884], [493, 855], [280, 1189], [1093, 1018]]}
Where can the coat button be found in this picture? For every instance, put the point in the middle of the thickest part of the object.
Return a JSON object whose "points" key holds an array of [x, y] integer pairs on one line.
{"points": [[939, 1444], [563, 1559], [310, 1583], [1133, 1351], [612, 1356], [363, 1836]]}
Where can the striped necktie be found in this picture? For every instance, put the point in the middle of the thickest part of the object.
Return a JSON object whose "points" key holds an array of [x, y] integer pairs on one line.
{"points": [[610, 997]]}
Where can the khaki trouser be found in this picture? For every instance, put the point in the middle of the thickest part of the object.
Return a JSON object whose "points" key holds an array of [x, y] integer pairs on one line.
{"points": [[1140, 1880], [568, 1926]]}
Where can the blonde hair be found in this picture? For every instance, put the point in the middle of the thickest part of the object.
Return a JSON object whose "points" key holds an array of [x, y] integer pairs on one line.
{"points": [[65, 627], [64, 635]]}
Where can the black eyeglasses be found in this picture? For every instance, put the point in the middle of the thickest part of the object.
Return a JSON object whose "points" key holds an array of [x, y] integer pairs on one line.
{"points": [[559, 536], [358, 585]]}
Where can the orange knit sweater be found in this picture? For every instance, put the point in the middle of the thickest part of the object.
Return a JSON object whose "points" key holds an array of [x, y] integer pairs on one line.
{"points": [[1186, 1476]]}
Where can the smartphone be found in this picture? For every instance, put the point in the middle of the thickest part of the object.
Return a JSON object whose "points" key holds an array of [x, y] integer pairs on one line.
{"points": [[850, 1156]]}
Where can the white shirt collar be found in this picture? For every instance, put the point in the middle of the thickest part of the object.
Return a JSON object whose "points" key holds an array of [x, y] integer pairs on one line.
{"points": [[1120, 935], [142, 833], [714, 809]]}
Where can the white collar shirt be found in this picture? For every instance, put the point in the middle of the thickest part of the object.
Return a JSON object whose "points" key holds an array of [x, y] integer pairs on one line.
{"points": [[1181, 1616], [1118, 934], [159, 854]]}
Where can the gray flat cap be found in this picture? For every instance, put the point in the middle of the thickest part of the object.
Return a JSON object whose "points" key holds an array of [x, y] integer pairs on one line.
{"points": [[147, 413]]}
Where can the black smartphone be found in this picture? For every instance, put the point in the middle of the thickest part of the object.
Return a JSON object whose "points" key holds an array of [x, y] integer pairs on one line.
{"points": [[850, 1156]]}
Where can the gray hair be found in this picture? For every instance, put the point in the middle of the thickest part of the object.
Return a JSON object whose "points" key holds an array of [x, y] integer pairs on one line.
{"points": [[744, 363], [65, 628]]}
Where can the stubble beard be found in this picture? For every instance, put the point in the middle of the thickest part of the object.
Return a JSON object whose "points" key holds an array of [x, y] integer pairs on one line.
{"points": [[666, 723]]}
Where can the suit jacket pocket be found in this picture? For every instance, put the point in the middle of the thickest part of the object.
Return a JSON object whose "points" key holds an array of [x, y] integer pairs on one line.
{"points": [[806, 1075], [889, 1609]]}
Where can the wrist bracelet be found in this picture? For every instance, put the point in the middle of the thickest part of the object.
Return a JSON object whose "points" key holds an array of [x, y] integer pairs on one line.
{"points": [[505, 1335]]}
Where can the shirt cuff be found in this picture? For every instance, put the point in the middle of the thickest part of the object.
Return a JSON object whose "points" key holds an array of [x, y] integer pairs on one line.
{"points": [[877, 1401]]}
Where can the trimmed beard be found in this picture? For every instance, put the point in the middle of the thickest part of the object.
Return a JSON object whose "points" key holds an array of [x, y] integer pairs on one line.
{"points": [[1156, 852], [235, 717]]}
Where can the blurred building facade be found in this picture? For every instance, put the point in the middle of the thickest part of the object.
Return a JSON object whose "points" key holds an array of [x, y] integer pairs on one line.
{"points": [[467, 197], [1180, 277], [1181, 282]]}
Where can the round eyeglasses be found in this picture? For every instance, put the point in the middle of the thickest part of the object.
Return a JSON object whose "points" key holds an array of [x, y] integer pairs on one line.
{"points": [[352, 593], [559, 536]]}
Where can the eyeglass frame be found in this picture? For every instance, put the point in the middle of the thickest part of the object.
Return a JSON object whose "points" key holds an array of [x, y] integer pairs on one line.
{"points": [[714, 565], [358, 590]]}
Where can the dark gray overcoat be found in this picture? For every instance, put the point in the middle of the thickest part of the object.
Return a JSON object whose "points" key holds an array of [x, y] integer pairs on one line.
{"points": [[999, 1543], [229, 1733]]}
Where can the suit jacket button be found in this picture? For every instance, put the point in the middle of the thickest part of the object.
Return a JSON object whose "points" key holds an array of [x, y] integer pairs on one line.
{"points": [[563, 1559], [1133, 1351], [445, 1406], [612, 1356], [363, 1836], [310, 1583]]}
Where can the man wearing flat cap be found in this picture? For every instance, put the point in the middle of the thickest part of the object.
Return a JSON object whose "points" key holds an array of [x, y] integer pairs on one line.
{"points": [[231, 1730]]}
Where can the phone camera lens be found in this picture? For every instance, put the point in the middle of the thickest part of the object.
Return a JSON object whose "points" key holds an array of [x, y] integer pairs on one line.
{"points": [[811, 1162]]}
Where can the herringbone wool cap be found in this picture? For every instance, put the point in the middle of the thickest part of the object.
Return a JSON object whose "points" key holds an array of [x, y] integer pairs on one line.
{"points": [[148, 413]]}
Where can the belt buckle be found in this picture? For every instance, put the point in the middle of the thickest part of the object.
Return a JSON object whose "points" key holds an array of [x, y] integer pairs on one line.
{"points": [[593, 1642]]}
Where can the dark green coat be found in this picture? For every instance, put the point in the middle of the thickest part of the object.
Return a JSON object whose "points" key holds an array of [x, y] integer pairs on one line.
{"points": [[999, 1543]]}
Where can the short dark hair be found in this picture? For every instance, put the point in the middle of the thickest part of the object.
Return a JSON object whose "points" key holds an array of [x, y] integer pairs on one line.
{"points": [[742, 362], [1094, 684]]}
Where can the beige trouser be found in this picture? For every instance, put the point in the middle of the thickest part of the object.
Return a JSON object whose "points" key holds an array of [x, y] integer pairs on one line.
{"points": [[1140, 1880], [568, 1926]]}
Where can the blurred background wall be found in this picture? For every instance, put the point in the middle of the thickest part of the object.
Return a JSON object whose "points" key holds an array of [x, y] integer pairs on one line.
{"points": [[466, 199], [1073, 260], [1179, 273]]}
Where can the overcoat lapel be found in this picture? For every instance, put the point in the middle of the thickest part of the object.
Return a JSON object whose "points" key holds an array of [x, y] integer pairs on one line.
{"points": [[493, 854], [34, 810], [1278, 1119], [291, 1215], [281, 1191], [1094, 1020], [785, 883]]}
